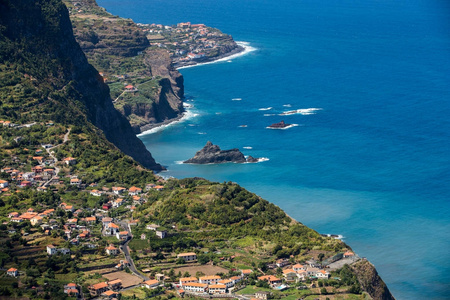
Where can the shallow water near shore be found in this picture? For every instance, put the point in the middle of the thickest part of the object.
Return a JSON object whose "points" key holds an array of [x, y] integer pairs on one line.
{"points": [[372, 164]]}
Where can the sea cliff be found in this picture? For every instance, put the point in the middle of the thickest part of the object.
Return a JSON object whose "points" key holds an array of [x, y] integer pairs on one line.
{"points": [[58, 119]]}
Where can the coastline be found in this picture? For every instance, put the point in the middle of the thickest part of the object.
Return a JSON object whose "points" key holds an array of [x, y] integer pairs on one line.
{"points": [[242, 49]]}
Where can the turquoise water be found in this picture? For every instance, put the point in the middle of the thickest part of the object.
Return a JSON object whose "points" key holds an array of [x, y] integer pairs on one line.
{"points": [[373, 164]]}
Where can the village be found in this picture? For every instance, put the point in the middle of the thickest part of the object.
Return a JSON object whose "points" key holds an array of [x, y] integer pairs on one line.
{"points": [[105, 239], [188, 43]]}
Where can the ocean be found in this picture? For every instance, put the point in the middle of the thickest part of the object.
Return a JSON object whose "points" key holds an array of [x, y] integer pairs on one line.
{"points": [[372, 163]]}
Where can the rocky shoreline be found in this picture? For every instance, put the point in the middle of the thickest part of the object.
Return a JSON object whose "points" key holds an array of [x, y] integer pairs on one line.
{"points": [[150, 126], [192, 63]]}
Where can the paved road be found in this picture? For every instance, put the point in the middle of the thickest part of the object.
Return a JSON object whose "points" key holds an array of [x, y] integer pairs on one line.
{"points": [[126, 251]]}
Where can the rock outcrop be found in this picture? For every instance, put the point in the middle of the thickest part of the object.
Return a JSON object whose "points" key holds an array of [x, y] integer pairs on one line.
{"points": [[212, 154], [38, 37], [370, 281]]}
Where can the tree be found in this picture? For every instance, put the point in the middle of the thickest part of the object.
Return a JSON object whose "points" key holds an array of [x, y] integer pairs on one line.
{"points": [[321, 256], [323, 291]]}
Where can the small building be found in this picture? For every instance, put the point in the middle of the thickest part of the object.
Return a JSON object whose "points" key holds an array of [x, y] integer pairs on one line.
{"points": [[133, 191], [111, 228], [246, 272], [3, 183], [96, 193], [36, 220], [217, 289], [115, 284], [153, 227], [151, 284], [110, 294], [187, 280], [349, 254], [130, 88], [51, 250], [298, 267], [322, 274], [75, 181], [111, 250], [12, 272], [122, 235], [190, 256], [262, 295], [70, 161], [161, 233], [227, 282], [290, 275], [196, 287], [143, 236], [212, 279], [118, 190], [98, 289], [71, 290]]}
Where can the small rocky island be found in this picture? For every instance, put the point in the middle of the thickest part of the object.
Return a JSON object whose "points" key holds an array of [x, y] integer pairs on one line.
{"points": [[212, 154], [279, 125]]}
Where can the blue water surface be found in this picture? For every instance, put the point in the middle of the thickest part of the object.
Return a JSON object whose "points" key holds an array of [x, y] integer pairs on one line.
{"points": [[373, 164]]}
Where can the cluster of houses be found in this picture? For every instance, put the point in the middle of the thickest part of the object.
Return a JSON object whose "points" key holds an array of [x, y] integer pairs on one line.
{"points": [[107, 288], [185, 41], [212, 284], [40, 174]]}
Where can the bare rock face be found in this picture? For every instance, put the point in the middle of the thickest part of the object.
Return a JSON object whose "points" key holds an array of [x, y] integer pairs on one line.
{"points": [[38, 36], [212, 154], [370, 281]]}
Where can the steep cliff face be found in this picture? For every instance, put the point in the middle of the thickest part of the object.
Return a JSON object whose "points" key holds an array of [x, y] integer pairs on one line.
{"points": [[120, 50], [36, 39], [370, 281]]}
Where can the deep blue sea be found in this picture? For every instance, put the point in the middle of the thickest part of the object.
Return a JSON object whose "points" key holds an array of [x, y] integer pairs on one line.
{"points": [[373, 164]]}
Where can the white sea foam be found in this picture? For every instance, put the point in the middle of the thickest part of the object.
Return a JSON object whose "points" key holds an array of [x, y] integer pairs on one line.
{"points": [[247, 147], [247, 50], [287, 105], [266, 108], [186, 116], [201, 132], [242, 126], [260, 159], [236, 99], [302, 111], [282, 128], [179, 162], [268, 115], [187, 105]]}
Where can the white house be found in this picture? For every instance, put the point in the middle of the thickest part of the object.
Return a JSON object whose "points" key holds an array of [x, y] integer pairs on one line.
{"points": [[12, 272], [161, 233], [213, 279], [151, 284], [51, 250], [196, 287], [322, 274], [217, 289], [111, 250], [3, 183], [111, 228], [187, 280]]}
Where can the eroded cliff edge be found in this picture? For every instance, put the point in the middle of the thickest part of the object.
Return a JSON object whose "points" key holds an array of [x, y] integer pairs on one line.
{"points": [[145, 87]]}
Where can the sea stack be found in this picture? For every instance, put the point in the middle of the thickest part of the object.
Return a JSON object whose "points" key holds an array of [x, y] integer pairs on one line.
{"points": [[212, 154]]}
